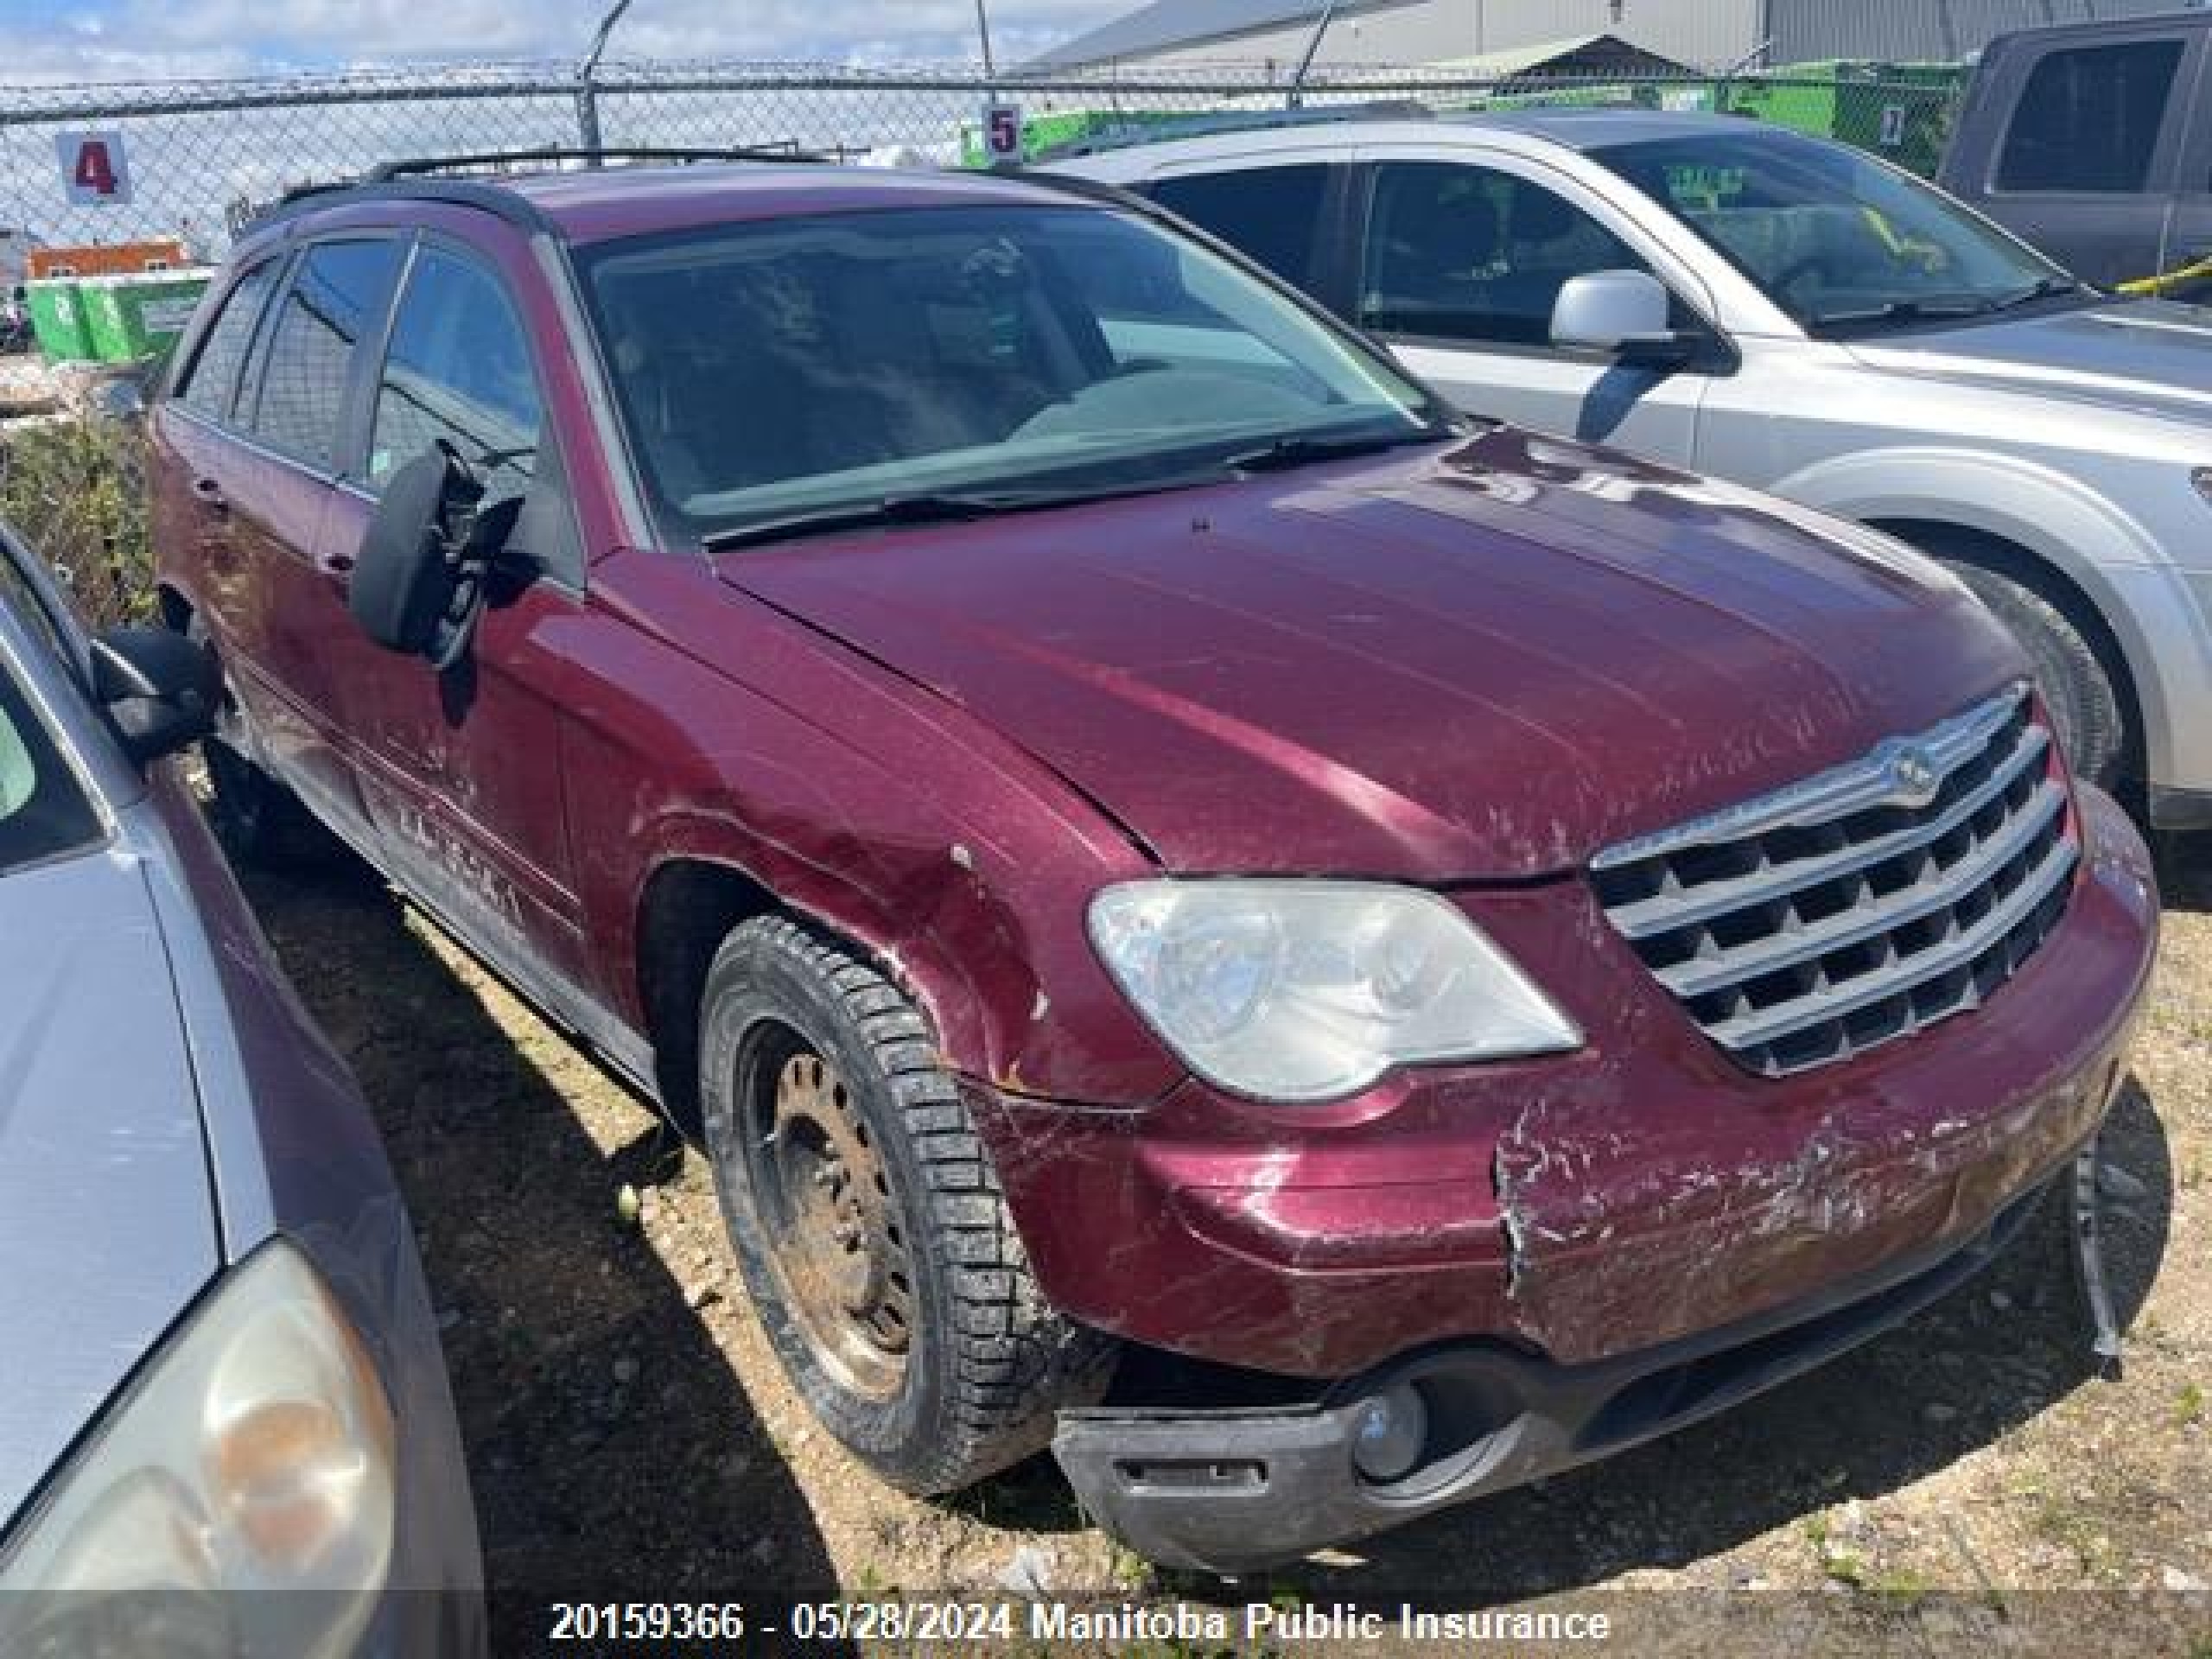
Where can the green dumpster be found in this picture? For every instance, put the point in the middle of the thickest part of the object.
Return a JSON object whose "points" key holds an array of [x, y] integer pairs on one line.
{"points": [[58, 320], [134, 316], [1899, 110]]}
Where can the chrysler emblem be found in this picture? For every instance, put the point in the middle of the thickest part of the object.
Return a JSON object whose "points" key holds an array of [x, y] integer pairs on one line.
{"points": [[1913, 779]]}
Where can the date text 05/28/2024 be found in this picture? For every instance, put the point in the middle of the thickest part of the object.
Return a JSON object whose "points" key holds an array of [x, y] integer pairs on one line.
{"points": [[977, 1622]]}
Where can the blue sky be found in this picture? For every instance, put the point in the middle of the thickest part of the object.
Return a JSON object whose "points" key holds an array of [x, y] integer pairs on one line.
{"points": [[103, 39]]}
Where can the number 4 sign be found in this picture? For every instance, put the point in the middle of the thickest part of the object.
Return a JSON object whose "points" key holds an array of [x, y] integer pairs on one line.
{"points": [[93, 167]]}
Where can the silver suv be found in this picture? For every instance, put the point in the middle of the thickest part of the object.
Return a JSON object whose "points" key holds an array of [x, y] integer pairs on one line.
{"points": [[1795, 316]]}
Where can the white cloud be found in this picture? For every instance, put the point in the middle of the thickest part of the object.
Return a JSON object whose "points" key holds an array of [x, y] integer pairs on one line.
{"points": [[108, 39], [187, 168]]}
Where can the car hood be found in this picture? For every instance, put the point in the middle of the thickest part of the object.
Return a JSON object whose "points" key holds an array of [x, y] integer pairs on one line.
{"points": [[1485, 660], [107, 1220], [2151, 356]]}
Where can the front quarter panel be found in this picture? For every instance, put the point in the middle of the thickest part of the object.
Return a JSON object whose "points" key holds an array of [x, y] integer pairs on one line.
{"points": [[716, 729]]}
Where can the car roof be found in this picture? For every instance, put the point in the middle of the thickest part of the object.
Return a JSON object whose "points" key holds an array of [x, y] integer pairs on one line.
{"points": [[1593, 129], [2160, 22], [594, 204], [1567, 128]]}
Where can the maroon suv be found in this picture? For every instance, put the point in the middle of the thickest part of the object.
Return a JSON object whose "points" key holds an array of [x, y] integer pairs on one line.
{"points": [[1130, 831]]}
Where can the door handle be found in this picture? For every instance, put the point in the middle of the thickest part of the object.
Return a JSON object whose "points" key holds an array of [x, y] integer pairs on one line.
{"points": [[210, 495]]}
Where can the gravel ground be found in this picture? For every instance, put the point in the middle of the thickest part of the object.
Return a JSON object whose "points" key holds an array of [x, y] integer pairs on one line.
{"points": [[1967, 1484]]}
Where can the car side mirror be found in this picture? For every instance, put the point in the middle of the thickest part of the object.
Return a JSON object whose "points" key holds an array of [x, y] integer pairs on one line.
{"points": [[1624, 312], [160, 689], [122, 400], [418, 585]]}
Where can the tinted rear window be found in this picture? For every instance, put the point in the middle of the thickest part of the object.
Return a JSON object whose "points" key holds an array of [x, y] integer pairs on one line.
{"points": [[339, 290], [2089, 118], [213, 380], [1273, 213]]}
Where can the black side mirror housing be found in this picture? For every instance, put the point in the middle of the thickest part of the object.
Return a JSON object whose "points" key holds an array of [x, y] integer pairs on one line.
{"points": [[1675, 349], [411, 590], [160, 689]]}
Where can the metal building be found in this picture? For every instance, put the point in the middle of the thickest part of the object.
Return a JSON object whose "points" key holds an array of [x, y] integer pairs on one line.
{"points": [[1183, 33], [1908, 31]]}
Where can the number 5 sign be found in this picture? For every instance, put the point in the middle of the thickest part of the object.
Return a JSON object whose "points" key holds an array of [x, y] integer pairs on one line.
{"points": [[1002, 132], [93, 167]]}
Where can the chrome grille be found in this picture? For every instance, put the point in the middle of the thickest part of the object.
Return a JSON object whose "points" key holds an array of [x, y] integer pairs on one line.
{"points": [[1863, 904]]}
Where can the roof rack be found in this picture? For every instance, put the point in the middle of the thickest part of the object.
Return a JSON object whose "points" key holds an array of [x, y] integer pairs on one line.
{"points": [[1207, 123], [423, 179], [431, 166]]}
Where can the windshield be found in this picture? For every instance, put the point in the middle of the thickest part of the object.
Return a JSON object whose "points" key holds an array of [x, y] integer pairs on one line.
{"points": [[806, 365], [1834, 238]]}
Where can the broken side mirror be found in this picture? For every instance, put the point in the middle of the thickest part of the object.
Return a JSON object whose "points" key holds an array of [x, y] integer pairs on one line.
{"points": [[418, 585]]}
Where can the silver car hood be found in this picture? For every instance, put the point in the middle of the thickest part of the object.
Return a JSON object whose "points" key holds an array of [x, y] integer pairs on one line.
{"points": [[2151, 356], [107, 1217]]}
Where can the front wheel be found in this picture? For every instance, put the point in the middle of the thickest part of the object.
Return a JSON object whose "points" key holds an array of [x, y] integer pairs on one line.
{"points": [[868, 1221], [2077, 687]]}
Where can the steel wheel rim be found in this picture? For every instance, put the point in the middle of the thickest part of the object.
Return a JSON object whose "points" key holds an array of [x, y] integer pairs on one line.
{"points": [[834, 1227]]}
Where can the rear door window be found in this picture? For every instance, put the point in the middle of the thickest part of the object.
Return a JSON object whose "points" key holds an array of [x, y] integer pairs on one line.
{"points": [[2088, 119], [1271, 213], [339, 291], [211, 383]]}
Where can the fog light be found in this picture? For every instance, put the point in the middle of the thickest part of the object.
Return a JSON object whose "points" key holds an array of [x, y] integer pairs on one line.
{"points": [[1388, 1434]]}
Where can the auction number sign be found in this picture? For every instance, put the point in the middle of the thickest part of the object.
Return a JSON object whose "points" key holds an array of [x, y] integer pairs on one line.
{"points": [[93, 170], [1002, 132]]}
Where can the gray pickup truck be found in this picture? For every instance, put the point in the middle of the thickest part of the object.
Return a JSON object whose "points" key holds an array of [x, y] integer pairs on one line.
{"points": [[1797, 317], [2093, 141]]}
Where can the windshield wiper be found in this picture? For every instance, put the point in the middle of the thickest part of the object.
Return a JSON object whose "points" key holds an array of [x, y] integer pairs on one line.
{"points": [[1918, 310], [1297, 450], [938, 507], [922, 509], [2047, 288]]}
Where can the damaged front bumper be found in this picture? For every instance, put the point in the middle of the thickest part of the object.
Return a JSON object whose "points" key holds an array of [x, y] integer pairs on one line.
{"points": [[1640, 1192], [1236, 1491]]}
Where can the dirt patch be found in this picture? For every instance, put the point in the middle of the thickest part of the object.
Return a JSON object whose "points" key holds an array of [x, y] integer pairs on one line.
{"points": [[1966, 1483]]}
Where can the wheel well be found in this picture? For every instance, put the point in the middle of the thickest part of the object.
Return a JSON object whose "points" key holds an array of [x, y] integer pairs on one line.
{"points": [[2009, 558], [689, 909]]}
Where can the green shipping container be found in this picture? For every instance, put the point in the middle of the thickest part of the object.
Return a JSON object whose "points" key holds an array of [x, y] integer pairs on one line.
{"points": [[131, 318], [58, 320]]}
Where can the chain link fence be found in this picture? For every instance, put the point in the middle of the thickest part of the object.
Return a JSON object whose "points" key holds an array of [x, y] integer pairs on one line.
{"points": [[198, 158]]}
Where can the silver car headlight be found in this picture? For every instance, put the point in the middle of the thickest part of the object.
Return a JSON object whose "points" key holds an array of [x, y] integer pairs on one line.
{"points": [[1311, 990], [237, 1501]]}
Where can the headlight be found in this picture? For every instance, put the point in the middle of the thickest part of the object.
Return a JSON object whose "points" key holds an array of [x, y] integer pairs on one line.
{"points": [[236, 1502], [1311, 990]]}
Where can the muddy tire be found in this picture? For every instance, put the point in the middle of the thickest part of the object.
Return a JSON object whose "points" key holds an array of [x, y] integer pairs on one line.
{"points": [[2077, 686], [867, 1219]]}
